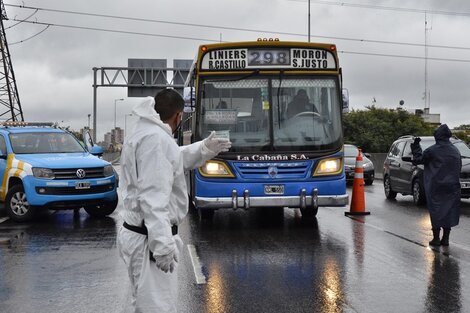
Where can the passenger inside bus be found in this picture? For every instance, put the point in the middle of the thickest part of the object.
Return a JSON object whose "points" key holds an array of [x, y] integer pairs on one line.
{"points": [[222, 105], [300, 103]]}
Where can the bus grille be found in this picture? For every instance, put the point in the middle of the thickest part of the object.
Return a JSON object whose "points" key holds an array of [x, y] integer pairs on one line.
{"points": [[71, 173], [272, 170]]}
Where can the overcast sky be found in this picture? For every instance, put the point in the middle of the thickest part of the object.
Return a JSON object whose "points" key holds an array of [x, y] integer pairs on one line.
{"points": [[54, 69]]}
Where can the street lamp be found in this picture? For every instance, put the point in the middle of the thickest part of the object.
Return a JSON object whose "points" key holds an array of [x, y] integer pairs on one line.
{"points": [[116, 100]]}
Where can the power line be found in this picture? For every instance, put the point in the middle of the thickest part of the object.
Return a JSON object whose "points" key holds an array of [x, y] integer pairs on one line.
{"points": [[27, 18], [118, 31], [242, 29], [31, 37], [212, 40], [378, 7]]}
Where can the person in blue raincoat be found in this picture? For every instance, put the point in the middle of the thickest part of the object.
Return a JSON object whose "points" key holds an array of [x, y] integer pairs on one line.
{"points": [[442, 165]]}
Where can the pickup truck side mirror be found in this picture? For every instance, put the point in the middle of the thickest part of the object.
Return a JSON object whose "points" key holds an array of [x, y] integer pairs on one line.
{"points": [[406, 159], [96, 150]]}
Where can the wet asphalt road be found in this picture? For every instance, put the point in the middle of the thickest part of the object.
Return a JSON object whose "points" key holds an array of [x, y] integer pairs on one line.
{"points": [[255, 261]]}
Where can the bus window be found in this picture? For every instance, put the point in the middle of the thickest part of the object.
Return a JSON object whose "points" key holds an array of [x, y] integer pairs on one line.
{"points": [[237, 107], [315, 122]]}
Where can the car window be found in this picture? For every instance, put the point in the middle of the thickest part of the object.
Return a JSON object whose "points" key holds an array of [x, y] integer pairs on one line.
{"points": [[3, 146], [463, 149], [350, 151], [407, 150], [44, 142], [392, 148], [396, 150]]}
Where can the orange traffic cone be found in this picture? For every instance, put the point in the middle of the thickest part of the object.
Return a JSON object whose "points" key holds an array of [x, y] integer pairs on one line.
{"points": [[358, 198]]}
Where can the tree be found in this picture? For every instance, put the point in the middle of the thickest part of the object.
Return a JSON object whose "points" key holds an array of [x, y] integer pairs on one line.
{"points": [[375, 129]]}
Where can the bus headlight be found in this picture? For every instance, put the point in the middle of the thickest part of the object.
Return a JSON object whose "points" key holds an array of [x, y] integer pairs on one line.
{"points": [[331, 166], [44, 173], [215, 169]]}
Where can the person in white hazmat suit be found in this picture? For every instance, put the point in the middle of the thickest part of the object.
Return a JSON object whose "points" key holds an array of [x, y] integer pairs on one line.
{"points": [[155, 199]]}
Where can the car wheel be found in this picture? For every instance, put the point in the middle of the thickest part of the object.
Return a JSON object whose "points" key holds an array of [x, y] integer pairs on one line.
{"points": [[102, 210], [309, 213], [418, 193], [369, 182], [389, 193], [17, 206]]}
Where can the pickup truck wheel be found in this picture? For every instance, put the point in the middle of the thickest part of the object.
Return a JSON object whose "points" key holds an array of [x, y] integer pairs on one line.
{"points": [[17, 205], [102, 210]]}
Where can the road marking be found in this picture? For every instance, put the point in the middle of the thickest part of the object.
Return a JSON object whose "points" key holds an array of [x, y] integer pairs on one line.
{"points": [[200, 278], [3, 219], [444, 251]]}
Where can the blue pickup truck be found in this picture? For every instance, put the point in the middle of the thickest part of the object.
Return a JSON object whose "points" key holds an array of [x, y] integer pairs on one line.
{"points": [[45, 167]]}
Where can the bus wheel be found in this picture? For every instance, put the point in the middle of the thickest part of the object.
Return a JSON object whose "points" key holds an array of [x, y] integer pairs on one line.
{"points": [[206, 214], [17, 205], [309, 212]]}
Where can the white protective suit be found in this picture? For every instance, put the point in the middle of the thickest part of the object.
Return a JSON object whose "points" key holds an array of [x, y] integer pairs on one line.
{"points": [[154, 189]]}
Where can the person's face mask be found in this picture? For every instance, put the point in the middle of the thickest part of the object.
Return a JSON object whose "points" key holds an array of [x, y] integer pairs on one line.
{"points": [[178, 121]]}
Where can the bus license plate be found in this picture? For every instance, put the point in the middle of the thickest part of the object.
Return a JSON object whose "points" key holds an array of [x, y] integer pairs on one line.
{"points": [[464, 184], [82, 185], [274, 189]]}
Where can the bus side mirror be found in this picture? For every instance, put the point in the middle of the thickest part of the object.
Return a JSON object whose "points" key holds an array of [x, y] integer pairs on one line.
{"points": [[189, 96], [345, 93]]}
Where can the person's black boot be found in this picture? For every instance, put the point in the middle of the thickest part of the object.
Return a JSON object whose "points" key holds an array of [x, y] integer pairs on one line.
{"points": [[435, 240], [445, 237]]}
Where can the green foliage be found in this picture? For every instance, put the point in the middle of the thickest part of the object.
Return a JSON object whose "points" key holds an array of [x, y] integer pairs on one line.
{"points": [[375, 129]]}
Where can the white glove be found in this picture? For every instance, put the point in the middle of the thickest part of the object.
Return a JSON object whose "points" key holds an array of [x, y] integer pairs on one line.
{"points": [[217, 145], [166, 262]]}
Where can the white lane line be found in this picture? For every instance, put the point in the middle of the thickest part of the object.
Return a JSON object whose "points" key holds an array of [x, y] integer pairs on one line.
{"points": [[3, 219], [200, 278]]}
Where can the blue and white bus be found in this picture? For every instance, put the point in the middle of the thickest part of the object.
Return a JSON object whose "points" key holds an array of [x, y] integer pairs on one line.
{"points": [[280, 104]]}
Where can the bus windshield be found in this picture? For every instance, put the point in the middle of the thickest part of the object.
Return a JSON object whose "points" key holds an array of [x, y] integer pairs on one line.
{"points": [[287, 113]]}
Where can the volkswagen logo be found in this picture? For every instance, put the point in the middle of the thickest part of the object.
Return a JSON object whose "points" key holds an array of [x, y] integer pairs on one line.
{"points": [[81, 173], [272, 171]]}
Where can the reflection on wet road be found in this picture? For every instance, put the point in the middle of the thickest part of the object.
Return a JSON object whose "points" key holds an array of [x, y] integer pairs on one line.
{"points": [[254, 261]]}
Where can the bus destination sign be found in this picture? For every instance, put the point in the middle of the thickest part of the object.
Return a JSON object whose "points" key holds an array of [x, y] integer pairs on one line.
{"points": [[252, 58]]}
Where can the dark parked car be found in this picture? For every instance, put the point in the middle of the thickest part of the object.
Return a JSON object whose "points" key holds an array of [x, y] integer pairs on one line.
{"points": [[350, 154], [401, 176]]}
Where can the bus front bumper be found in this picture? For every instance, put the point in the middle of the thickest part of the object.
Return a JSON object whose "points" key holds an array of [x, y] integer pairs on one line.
{"points": [[303, 200]]}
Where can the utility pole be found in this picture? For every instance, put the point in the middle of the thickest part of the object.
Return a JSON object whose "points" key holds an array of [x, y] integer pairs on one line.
{"points": [[427, 93], [308, 20], [10, 106]]}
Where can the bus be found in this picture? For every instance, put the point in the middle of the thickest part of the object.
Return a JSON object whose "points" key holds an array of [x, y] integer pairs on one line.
{"points": [[280, 103]]}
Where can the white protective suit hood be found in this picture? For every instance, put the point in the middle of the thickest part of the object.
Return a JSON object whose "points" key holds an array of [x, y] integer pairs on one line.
{"points": [[146, 110]]}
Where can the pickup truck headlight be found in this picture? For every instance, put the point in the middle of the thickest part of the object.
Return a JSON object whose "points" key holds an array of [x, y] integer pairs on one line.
{"points": [[331, 166], [108, 171], [44, 173], [215, 169]]}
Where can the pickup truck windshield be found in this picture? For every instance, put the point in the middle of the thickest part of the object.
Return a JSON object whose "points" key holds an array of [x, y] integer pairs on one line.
{"points": [[44, 142]]}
